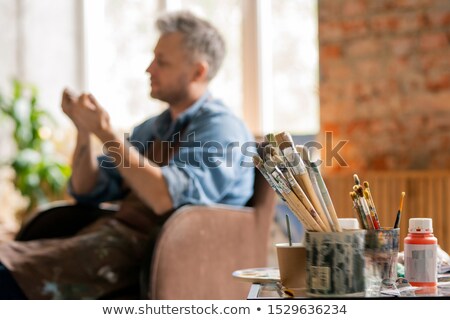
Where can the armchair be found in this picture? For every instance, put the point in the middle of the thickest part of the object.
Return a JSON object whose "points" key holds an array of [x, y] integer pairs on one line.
{"points": [[196, 250]]}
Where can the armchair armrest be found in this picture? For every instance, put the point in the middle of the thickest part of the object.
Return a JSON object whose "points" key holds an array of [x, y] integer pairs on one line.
{"points": [[198, 249]]}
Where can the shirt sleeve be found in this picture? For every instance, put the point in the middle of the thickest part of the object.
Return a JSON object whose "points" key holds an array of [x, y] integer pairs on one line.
{"points": [[108, 186], [210, 165], [109, 181]]}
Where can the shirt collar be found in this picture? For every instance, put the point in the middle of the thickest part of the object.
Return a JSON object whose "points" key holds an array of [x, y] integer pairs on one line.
{"points": [[165, 127]]}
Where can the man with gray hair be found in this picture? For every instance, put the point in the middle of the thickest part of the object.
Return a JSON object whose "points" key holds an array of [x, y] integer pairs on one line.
{"points": [[166, 163]]}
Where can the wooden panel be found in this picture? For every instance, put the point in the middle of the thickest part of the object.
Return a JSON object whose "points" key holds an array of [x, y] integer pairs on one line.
{"points": [[427, 195]]}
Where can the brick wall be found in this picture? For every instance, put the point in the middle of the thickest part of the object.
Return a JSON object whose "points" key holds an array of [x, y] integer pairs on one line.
{"points": [[385, 81]]}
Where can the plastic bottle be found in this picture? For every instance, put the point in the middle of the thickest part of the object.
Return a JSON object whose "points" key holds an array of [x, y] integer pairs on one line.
{"points": [[421, 253], [348, 223]]}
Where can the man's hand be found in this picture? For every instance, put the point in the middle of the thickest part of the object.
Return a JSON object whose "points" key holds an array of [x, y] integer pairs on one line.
{"points": [[94, 118], [86, 113], [68, 105]]}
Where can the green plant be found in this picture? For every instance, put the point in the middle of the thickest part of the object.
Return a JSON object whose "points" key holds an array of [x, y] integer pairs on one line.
{"points": [[39, 175]]}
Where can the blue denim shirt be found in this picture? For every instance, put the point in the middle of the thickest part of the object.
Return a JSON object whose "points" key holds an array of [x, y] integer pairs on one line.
{"points": [[213, 164]]}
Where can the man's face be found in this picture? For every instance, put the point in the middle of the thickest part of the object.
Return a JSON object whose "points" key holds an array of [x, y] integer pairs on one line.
{"points": [[171, 70]]}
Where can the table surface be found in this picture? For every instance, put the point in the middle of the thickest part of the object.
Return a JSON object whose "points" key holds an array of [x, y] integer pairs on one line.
{"points": [[275, 291]]}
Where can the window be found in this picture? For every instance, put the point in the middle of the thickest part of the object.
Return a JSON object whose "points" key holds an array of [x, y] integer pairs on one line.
{"points": [[295, 66], [120, 37], [280, 43], [269, 77], [228, 83]]}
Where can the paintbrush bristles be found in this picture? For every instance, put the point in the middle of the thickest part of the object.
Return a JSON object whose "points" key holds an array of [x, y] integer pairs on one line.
{"points": [[280, 163], [359, 191], [366, 194], [261, 149], [399, 212], [270, 138], [284, 140], [277, 159], [258, 162], [356, 178], [304, 153], [401, 201]]}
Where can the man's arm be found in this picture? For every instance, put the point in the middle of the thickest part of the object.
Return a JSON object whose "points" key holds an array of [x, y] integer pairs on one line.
{"points": [[141, 175], [84, 165]]}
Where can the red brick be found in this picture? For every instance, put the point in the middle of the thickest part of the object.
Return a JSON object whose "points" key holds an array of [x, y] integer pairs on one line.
{"points": [[336, 111], [327, 93], [336, 72], [385, 87], [435, 60], [365, 47], [336, 91], [378, 162], [330, 51], [354, 7], [376, 6], [430, 102], [440, 121], [330, 31], [403, 45], [329, 10], [385, 23], [362, 91], [357, 127], [397, 66], [438, 18], [368, 69], [413, 21], [438, 82], [354, 28], [412, 82], [347, 91], [395, 89], [442, 5], [387, 126], [403, 4], [331, 127], [433, 41]]}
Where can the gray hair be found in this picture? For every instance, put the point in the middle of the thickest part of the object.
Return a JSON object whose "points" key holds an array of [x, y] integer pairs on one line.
{"points": [[201, 38]]}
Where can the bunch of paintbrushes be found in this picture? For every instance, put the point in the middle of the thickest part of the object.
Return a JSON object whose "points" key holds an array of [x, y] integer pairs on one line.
{"points": [[364, 206], [297, 181]]}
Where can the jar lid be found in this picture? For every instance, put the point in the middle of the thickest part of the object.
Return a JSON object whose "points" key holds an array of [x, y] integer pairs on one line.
{"points": [[420, 225], [348, 223]]}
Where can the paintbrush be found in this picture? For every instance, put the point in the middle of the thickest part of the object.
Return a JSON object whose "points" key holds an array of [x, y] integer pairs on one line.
{"points": [[356, 178], [288, 226], [365, 207], [293, 202], [281, 192], [320, 188], [259, 164], [298, 191], [358, 210], [399, 212], [371, 203], [286, 145], [270, 138], [375, 221]]}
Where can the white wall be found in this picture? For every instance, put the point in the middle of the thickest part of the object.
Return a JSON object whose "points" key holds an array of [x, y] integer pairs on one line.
{"points": [[39, 41], [8, 41]]}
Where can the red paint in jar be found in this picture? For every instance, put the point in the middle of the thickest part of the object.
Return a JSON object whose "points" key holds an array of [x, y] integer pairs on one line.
{"points": [[421, 253]]}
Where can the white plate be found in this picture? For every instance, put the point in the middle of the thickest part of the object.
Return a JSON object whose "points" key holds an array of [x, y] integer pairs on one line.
{"points": [[258, 275]]}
